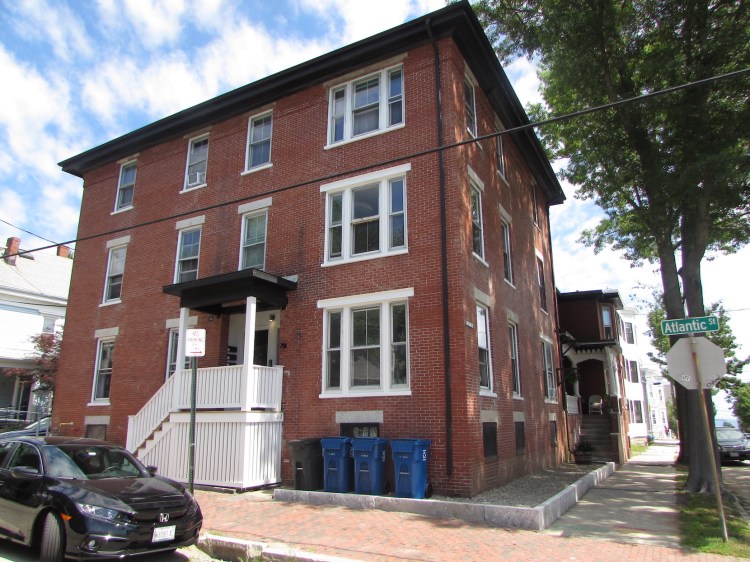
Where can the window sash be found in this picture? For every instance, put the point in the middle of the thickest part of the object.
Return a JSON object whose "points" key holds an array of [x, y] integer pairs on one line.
{"points": [[366, 348], [188, 255], [254, 241], [103, 377], [500, 155], [507, 262], [366, 105], [629, 335], [366, 220], [259, 141], [197, 162], [126, 186], [470, 107], [172, 345], [548, 371], [483, 342], [115, 271], [477, 227], [542, 284], [514, 359]]}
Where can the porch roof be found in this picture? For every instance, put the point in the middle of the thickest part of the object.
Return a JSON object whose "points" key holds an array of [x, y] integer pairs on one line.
{"points": [[210, 294]]}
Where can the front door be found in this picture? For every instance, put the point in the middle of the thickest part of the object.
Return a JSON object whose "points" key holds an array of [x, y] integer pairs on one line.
{"points": [[260, 354]]}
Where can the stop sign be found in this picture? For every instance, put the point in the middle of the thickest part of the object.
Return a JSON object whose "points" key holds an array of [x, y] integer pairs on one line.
{"points": [[710, 359]]}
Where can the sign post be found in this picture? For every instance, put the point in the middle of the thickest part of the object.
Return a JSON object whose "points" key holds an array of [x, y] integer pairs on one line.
{"points": [[697, 364], [195, 346]]}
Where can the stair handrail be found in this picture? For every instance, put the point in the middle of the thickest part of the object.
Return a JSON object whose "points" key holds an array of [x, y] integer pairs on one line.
{"points": [[148, 419]]}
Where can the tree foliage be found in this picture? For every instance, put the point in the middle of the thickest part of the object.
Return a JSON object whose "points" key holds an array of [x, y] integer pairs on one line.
{"points": [[671, 173], [46, 354]]}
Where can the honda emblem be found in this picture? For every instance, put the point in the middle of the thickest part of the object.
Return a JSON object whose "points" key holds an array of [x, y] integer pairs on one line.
{"points": [[163, 517]]}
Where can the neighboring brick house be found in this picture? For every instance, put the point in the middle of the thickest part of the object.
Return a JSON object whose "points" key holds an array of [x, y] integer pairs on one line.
{"points": [[593, 371], [33, 297], [311, 220]]}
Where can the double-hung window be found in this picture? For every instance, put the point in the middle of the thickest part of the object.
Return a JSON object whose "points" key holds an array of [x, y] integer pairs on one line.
{"points": [[115, 271], [507, 261], [188, 251], [126, 186], [260, 130], [470, 108], [254, 240], [633, 371], [541, 283], [515, 367], [548, 371], [629, 334], [365, 344], [197, 162], [499, 152], [366, 216], [367, 105], [483, 342], [172, 345], [103, 372], [477, 227]]}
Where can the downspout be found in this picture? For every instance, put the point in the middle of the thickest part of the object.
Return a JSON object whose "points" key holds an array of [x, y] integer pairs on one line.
{"points": [[444, 261]]}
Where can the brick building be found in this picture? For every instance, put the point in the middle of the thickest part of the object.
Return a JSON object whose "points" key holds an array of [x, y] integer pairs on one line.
{"points": [[361, 266]]}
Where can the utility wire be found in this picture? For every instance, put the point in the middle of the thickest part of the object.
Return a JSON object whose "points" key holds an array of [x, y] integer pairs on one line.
{"points": [[411, 156], [29, 232]]}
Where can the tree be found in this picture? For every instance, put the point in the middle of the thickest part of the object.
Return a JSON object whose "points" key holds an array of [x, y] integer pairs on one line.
{"points": [[741, 405], [670, 173], [46, 354]]}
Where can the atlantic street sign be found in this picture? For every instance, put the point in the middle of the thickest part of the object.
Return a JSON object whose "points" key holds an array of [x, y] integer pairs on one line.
{"points": [[695, 325]]}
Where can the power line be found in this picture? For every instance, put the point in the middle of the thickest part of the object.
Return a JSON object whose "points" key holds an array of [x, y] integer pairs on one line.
{"points": [[29, 232], [411, 156]]}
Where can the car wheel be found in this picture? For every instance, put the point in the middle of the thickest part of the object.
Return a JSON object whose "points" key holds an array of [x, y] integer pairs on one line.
{"points": [[52, 545]]}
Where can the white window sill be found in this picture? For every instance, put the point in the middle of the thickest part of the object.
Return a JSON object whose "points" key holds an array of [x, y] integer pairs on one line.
{"points": [[487, 392], [480, 259], [509, 283], [110, 303], [187, 189], [503, 178], [550, 401], [102, 403], [257, 169], [517, 397], [365, 393], [365, 257], [118, 211], [364, 136]]}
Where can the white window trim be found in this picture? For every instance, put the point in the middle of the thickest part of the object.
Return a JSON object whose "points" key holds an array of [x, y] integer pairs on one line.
{"points": [[505, 220], [186, 186], [242, 239], [500, 144], [540, 258], [118, 209], [486, 390], [346, 305], [101, 340], [479, 189], [469, 80], [515, 374], [248, 169], [112, 248], [551, 345], [383, 126], [180, 234], [346, 186]]}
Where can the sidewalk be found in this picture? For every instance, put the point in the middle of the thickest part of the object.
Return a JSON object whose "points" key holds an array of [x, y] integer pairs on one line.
{"points": [[629, 516]]}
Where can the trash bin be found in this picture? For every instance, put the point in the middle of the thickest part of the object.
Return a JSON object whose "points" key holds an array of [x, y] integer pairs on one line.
{"points": [[369, 463], [337, 464], [307, 462], [410, 458]]}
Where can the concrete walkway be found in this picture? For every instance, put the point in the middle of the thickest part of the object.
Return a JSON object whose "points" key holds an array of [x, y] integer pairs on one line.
{"points": [[630, 516]]}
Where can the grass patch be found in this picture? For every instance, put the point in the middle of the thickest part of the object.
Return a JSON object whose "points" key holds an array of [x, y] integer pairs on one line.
{"points": [[637, 449], [700, 526]]}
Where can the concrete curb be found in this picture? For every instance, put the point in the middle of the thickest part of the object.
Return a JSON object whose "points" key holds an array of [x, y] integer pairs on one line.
{"points": [[533, 518]]}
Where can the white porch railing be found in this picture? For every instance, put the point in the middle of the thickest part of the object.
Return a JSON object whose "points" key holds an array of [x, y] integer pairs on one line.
{"points": [[217, 388], [572, 402]]}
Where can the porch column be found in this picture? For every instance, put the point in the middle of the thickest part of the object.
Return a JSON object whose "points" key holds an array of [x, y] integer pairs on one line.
{"points": [[249, 344]]}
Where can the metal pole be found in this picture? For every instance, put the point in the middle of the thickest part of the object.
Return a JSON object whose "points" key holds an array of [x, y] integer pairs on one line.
{"points": [[191, 437], [709, 442]]}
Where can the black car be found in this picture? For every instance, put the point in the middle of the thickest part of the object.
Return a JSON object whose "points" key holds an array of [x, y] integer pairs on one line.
{"points": [[88, 499], [732, 444]]}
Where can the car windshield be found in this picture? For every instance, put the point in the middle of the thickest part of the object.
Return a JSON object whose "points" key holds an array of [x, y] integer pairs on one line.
{"points": [[728, 434], [91, 462]]}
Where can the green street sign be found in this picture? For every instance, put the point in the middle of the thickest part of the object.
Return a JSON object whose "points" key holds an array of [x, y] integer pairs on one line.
{"points": [[696, 325]]}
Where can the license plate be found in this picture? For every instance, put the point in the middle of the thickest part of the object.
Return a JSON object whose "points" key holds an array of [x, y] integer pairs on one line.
{"points": [[163, 534], [734, 455]]}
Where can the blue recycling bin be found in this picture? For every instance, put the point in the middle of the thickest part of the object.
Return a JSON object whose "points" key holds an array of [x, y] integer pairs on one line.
{"points": [[369, 465], [337, 464], [410, 458]]}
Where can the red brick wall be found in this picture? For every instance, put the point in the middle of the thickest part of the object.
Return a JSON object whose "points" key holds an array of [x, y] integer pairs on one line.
{"points": [[295, 246]]}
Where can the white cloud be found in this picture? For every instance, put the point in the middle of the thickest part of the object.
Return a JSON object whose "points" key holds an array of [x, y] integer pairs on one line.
{"points": [[523, 75], [157, 21]]}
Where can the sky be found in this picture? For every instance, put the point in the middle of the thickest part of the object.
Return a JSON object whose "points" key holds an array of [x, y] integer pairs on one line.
{"points": [[81, 72]]}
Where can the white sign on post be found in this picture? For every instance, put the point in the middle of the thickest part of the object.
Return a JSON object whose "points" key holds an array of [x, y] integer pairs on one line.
{"points": [[195, 343], [682, 368]]}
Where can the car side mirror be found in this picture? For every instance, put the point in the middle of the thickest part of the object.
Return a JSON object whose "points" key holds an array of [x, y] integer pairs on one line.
{"points": [[152, 470]]}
